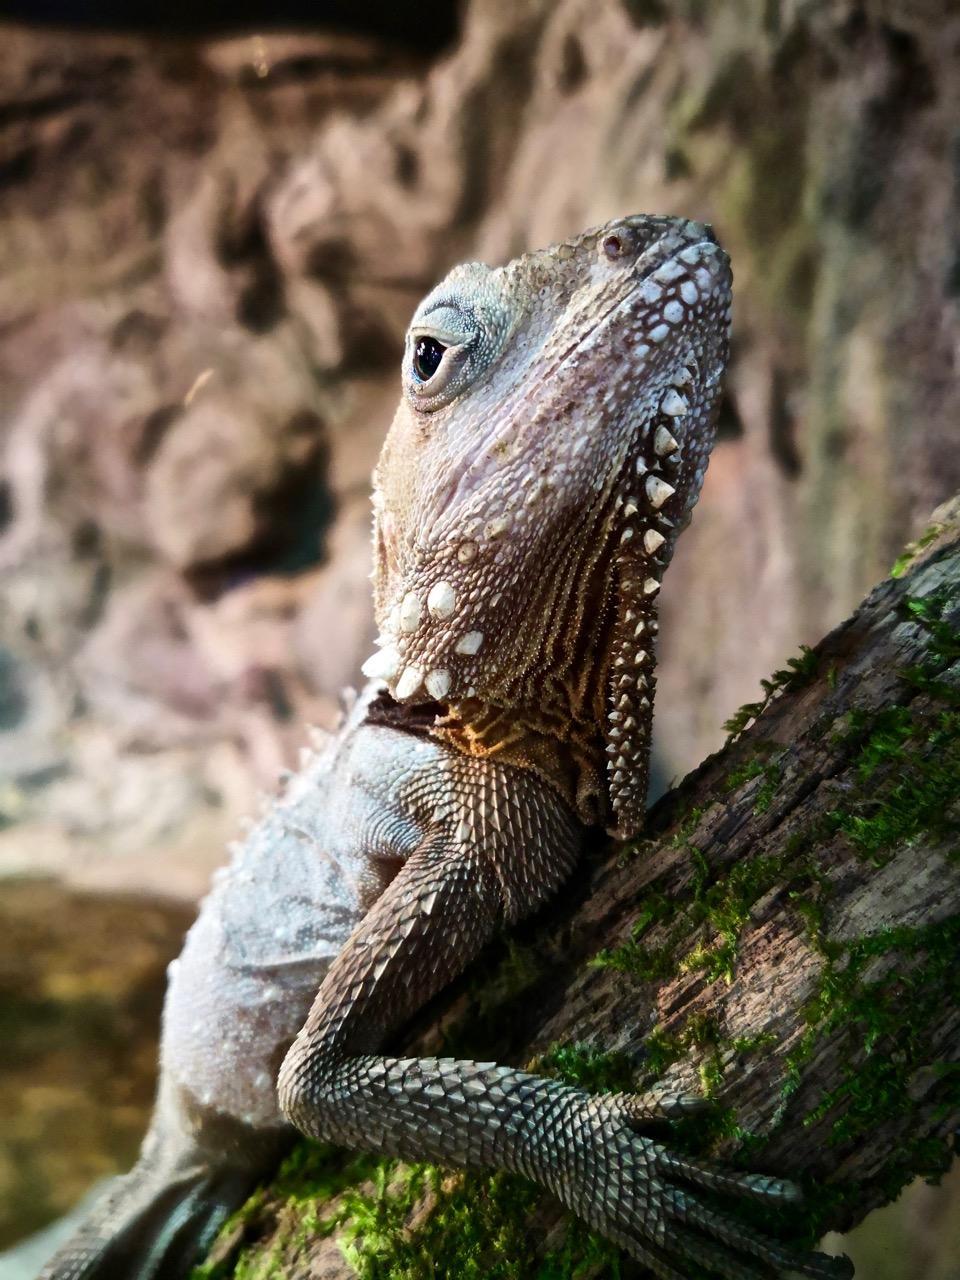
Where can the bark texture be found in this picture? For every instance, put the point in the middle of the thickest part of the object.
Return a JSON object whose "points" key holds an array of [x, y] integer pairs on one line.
{"points": [[784, 940]]}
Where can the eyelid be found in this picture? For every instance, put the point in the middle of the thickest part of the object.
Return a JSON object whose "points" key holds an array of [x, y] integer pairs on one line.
{"points": [[449, 323], [452, 341], [457, 331], [453, 350]]}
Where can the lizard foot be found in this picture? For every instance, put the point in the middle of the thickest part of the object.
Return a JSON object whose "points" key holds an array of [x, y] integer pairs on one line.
{"points": [[643, 1196]]}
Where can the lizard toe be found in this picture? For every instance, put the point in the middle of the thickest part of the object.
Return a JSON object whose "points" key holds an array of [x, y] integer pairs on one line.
{"points": [[728, 1231], [658, 1105], [716, 1177]]}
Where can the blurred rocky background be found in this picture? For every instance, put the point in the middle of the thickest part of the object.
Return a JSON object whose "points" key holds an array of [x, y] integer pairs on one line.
{"points": [[212, 235]]}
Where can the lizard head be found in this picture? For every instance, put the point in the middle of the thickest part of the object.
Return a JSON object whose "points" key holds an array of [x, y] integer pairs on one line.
{"points": [[552, 437]]}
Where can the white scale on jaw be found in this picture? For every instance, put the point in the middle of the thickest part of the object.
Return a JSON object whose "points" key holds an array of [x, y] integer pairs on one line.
{"points": [[387, 663]]}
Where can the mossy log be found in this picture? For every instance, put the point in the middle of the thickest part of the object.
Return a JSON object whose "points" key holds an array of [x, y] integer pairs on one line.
{"points": [[784, 940]]}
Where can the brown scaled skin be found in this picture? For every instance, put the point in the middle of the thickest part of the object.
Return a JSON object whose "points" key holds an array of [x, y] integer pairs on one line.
{"points": [[556, 420]]}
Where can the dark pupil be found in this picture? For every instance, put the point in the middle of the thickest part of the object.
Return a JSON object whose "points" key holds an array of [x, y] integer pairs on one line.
{"points": [[427, 355]]}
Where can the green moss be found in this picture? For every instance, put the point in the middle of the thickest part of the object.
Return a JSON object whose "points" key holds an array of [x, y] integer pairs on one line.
{"points": [[396, 1221], [299, 1206], [913, 549], [884, 1014], [467, 1225], [798, 672], [888, 1020], [720, 906], [746, 772], [745, 1045], [919, 796], [907, 757], [766, 764], [646, 964], [587, 1067], [663, 1048], [687, 827], [885, 1020], [930, 612]]}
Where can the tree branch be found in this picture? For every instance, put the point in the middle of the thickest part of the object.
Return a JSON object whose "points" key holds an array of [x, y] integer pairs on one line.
{"points": [[785, 939]]}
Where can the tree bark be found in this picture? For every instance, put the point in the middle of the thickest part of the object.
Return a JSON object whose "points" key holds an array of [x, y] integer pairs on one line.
{"points": [[784, 939], [798, 899]]}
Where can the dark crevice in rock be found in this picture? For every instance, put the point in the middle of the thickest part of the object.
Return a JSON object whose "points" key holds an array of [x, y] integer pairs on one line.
{"points": [[138, 332], [428, 31], [783, 442], [154, 429], [573, 65], [408, 166], [86, 539], [19, 167], [646, 13], [262, 303], [13, 698], [242, 245], [6, 506], [332, 258], [729, 422], [293, 519]]}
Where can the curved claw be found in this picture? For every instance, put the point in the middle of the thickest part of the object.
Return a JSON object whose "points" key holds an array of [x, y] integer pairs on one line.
{"points": [[641, 1195], [738, 1235]]}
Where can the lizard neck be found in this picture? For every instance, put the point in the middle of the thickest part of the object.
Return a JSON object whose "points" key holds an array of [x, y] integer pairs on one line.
{"points": [[566, 753], [566, 690], [548, 714]]}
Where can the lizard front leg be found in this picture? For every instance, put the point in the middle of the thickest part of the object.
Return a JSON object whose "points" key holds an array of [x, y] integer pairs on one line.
{"points": [[432, 920]]}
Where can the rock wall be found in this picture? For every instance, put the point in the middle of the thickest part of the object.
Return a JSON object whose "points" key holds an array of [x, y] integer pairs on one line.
{"points": [[211, 250]]}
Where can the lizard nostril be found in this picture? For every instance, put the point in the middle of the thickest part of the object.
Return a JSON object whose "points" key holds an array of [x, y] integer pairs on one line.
{"points": [[616, 244]]}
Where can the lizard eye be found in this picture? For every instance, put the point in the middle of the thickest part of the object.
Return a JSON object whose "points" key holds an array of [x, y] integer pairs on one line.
{"points": [[427, 355]]}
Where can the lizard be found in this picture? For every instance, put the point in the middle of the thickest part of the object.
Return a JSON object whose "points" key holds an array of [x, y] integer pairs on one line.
{"points": [[556, 419]]}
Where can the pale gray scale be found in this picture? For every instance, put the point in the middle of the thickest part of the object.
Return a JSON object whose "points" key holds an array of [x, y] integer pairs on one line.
{"points": [[266, 935]]}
